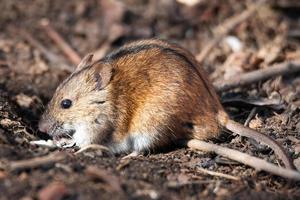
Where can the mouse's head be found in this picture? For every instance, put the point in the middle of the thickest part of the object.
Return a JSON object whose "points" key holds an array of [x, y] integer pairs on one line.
{"points": [[79, 105]]}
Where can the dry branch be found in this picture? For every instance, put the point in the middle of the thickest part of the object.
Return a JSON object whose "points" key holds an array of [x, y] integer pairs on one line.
{"points": [[250, 116], [71, 54], [38, 161], [246, 159], [213, 173], [258, 75], [35, 43], [223, 29]]}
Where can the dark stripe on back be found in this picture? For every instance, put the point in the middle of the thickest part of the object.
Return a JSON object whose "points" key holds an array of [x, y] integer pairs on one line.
{"points": [[174, 52], [138, 48], [124, 51]]}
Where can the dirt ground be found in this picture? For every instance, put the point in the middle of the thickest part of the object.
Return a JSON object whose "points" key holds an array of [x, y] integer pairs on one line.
{"points": [[29, 76]]}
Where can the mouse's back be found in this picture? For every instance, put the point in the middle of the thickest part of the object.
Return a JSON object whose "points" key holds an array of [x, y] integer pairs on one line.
{"points": [[160, 95]]}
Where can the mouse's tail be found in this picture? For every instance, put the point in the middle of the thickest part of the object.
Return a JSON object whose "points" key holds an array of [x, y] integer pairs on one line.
{"points": [[259, 137], [257, 163]]}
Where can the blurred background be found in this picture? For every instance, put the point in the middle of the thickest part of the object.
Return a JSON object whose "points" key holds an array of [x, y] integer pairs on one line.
{"points": [[270, 35], [41, 41]]}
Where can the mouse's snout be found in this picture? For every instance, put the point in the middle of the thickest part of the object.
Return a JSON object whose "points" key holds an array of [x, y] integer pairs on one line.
{"points": [[44, 126], [46, 123]]}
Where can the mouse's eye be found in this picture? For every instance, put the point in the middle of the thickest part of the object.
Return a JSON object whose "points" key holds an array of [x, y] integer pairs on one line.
{"points": [[66, 103]]}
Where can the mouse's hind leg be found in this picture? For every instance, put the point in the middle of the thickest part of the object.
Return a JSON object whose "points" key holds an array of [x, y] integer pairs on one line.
{"points": [[144, 135], [152, 129], [205, 127]]}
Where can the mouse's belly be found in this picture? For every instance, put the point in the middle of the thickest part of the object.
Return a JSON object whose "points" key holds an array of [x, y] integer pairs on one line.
{"points": [[133, 142]]}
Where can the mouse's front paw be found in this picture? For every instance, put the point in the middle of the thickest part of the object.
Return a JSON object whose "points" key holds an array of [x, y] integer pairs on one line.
{"points": [[63, 142]]}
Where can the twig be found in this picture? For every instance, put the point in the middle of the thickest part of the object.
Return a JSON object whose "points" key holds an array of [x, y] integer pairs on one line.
{"points": [[257, 163], [212, 173], [61, 43], [258, 75], [258, 146], [51, 57], [38, 161], [250, 116], [35, 43], [223, 29], [176, 184]]}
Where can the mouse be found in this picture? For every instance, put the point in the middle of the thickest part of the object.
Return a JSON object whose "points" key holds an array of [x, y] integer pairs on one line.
{"points": [[145, 95]]}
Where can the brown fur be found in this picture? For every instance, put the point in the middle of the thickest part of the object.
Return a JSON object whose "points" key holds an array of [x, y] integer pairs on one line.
{"points": [[144, 95], [158, 92], [156, 88]]}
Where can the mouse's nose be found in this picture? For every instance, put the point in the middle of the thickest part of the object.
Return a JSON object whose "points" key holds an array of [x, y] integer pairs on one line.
{"points": [[44, 126]]}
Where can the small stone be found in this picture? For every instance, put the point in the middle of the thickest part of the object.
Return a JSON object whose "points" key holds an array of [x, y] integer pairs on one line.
{"points": [[53, 191], [3, 175], [297, 148], [297, 163]]}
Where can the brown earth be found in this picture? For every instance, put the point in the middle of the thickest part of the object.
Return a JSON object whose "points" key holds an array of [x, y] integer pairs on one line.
{"points": [[28, 79]]}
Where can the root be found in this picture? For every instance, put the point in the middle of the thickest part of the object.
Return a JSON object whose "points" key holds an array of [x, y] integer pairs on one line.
{"points": [[280, 69], [256, 163], [37, 161]]}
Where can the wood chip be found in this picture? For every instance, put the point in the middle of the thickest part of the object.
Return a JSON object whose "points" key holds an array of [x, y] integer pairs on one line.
{"points": [[37, 161], [213, 173]]}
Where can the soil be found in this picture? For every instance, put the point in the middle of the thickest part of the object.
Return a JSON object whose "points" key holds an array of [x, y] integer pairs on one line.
{"points": [[28, 79]]}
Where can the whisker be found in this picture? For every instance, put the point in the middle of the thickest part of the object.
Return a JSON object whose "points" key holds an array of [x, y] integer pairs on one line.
{"points": [[67, 134]]}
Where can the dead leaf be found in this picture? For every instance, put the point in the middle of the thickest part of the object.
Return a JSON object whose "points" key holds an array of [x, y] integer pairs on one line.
{"points": [[222, 192], [24, 101], [183, 178], [297, 163], [53, 191], [272, 85], [106, 177], [8, 123], [256, 123], [233, 64], [39, 66], [293, 139], [297, 148], [298, 127], [23, 176], [272, 51], [294, 55]]}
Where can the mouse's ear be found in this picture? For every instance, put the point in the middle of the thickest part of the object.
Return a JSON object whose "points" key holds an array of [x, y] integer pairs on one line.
{"points": [[103, 74], [85, 61]]}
